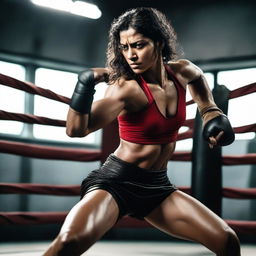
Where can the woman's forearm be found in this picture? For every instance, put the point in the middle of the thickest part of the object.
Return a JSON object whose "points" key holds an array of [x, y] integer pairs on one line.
{"points": [[201, 94], [81, 101]]}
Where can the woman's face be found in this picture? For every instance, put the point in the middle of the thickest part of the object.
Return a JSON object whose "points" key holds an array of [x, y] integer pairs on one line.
{"points": [[139, 51]]}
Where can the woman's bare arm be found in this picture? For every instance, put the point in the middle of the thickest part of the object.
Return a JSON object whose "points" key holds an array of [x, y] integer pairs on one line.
{"points": [[102, 112]]}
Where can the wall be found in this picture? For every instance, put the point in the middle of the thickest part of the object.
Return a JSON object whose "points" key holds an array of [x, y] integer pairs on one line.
{"points": [[207, 30]]}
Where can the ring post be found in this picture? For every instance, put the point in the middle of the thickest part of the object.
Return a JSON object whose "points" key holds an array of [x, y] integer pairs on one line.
{"points": [[206, 162]]}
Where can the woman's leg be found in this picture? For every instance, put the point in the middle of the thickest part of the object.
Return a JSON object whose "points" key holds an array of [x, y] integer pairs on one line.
{"points": [[185, 217], [87, 221]]}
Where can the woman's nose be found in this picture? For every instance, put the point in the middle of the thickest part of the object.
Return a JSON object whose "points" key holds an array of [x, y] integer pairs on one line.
{"points": [[132, 55]]}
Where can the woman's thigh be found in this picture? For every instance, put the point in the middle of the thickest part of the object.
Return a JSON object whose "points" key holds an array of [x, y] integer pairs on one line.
{"points": [[87, 221], [95, 213], [185, 217]]}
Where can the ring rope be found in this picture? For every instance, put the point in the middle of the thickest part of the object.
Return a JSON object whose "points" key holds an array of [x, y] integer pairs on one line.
{"points": [[190, 102], [249, 158], [46, 189], [74, 190], [31, 88], [239, 193], [32, 218], [75, 154], [47, 152], [63, 153], [245, 128], [242, 91], [242, 227], [42, 189], [185, 135], [31, 119]]}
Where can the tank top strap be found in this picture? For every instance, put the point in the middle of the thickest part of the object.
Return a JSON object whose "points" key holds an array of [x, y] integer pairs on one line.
{"points": [[144, 86]]}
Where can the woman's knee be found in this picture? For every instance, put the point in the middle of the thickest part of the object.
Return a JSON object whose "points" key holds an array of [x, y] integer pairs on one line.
{"points": [[73, 244], [230, 245]]}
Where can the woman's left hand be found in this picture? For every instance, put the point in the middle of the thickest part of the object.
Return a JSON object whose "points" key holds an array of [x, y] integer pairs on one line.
{"points": [[217, 129]]}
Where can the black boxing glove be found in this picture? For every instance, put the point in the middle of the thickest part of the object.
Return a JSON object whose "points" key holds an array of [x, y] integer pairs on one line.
{"points": [[214, 126], [82, 97]]}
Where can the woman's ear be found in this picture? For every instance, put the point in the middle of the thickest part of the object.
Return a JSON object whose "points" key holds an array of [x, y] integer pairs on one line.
{"points": [[160, 45]]}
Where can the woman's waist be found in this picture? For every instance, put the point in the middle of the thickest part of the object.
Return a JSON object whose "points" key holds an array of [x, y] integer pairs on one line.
{"points": [[116, 169], [150, 157]]}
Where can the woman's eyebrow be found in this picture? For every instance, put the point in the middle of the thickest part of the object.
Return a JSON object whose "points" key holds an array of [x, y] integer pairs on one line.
{"points": [[133, 43]]}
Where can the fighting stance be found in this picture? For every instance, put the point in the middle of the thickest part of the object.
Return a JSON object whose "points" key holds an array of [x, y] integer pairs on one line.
{"points": [[146, 93]]}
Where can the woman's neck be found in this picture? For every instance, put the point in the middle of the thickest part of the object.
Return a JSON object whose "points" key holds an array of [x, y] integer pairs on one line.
{"points": [[156, 75]]}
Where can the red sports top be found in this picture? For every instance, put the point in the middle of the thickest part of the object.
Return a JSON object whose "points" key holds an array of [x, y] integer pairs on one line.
{"points": [[149, 126]]}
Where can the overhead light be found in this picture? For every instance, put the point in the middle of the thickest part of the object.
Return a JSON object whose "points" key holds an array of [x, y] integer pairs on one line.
{"points": [[75, 7], [86, 9]]}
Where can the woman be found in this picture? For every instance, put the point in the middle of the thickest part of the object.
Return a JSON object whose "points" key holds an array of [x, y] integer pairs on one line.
{"points": [[146, 93]]}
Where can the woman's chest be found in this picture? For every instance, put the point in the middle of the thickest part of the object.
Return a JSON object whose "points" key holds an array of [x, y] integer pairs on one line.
{"points": [[166, 99]]}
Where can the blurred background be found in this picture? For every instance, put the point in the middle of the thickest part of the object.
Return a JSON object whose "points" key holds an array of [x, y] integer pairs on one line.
{"points": [[49, 47]]}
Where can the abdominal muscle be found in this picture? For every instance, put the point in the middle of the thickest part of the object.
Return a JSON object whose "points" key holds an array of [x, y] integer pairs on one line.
{"points": [[152, 157]]}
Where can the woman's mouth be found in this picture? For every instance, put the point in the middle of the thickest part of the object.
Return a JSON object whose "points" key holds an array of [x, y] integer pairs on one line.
{"points": [[135, 65]]}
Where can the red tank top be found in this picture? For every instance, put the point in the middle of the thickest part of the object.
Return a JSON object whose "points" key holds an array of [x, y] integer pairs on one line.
{"points": [[149, 126]]}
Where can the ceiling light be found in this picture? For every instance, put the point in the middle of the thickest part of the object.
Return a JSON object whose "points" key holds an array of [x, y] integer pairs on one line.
{"points": [[78, 7], [85, 9]]}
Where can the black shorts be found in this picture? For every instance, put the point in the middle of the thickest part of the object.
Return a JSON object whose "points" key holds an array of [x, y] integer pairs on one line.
{"points": [[137, 191]]}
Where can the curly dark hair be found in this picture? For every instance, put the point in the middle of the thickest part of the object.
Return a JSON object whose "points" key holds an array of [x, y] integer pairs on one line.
{"points": [[147, 21]]}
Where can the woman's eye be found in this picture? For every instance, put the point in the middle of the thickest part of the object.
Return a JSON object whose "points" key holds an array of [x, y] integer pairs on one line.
{"points": [[123, 47], [139, 45]]}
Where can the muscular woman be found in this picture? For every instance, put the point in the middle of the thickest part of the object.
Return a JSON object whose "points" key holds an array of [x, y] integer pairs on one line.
{"points": [[146, 93]]}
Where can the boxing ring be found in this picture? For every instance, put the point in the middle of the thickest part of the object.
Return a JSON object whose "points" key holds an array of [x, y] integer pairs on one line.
{"points": [[86, 155]]}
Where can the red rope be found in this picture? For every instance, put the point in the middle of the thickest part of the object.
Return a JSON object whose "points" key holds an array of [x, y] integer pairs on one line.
{"points": [[74, 190], [43, 189], [239, 193], [190, 102], [243, 227], [239, 160], [185, 135], [59, 153], [189, 123], [31, 88], [247, 89], [182, 156], [32, 119], [47, 152], [31, 218], [246, 128]]}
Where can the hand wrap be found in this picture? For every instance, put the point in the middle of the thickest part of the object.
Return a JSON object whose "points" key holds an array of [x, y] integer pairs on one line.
{"points": [[215, 126], [82, 97]]}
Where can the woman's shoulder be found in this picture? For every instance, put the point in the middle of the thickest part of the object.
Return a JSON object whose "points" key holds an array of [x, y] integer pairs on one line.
{"points": [[123, 87], [181, 64], [185, 70]]}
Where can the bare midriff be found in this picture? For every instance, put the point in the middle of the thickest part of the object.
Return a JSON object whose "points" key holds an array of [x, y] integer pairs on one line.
{"points": [[152, 157]]}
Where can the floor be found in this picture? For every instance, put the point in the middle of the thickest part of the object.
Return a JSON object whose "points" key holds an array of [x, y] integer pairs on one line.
{"points": [[112, 248]]}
